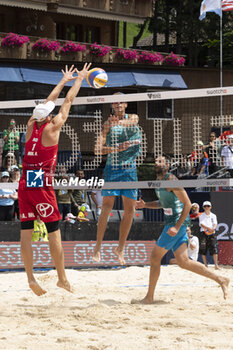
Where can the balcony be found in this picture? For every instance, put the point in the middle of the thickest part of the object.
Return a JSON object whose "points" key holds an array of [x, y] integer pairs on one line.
{"points": [[133, 10], [85, 53]]}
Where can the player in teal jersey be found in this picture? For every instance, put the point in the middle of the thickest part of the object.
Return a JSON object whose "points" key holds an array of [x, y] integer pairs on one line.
{"points": [[176, 206], [120, 140]]}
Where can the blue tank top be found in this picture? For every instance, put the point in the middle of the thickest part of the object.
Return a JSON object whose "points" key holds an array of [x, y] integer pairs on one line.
{"points": [[171, 205], [119, 134]]}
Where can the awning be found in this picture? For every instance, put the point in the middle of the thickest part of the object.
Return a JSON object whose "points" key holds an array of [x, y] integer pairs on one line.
{"points": [[24, 4], [11, 74], [143, 78]]}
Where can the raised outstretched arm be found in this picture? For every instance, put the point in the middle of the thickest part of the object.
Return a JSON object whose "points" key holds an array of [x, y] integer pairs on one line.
{"points": [[63, 113]]}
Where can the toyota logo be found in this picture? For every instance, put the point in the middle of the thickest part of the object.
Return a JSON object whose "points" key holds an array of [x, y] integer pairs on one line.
{"points": [[44, 209]]}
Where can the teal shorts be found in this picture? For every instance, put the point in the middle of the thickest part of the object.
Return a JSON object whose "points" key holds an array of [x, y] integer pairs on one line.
{"points": [[133, 194], [168, 242], [121, 174]]}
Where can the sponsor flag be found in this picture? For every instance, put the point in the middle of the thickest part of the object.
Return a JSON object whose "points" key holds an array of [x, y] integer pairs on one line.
{"points": [[210, 6], [227, 5]]}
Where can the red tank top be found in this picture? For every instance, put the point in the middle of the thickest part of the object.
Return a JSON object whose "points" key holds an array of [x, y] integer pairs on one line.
{"points": [[38, 156]]}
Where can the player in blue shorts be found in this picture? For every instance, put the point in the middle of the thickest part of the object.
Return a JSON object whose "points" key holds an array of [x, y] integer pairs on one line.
{"points": [[120, 140], [176, 206]]}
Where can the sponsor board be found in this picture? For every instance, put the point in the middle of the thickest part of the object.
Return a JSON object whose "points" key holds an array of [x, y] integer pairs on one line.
{"points": [[225, 252], [77, 254]]}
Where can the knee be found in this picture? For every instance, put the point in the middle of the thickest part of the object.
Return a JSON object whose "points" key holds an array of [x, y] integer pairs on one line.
{"points": [[183, 263], [130, 210], [155, 259]]}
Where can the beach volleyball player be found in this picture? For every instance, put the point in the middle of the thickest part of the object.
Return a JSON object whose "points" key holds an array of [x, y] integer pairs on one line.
{"points": [[120, 140], [39, 162], [176, 206]]}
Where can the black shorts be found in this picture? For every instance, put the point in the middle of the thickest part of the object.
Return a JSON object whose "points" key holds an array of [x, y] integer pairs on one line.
{"points": [[207, 243]]}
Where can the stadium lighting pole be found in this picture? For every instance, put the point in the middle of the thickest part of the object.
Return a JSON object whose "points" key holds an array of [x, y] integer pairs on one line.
{"points": [[220, 77]]}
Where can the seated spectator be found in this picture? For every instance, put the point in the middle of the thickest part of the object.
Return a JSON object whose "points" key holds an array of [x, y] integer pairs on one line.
{"points": [[8, 161], [11, 141], [81, 216], [64, 199], [62, 170], [227, 155], [14, 173], [79, 197], [7, 199], [82, 213], [194, 213], [225, 134], [200, 162], [40, 232], [96, 196], [184, 168], [193, 247], [213, 150]]}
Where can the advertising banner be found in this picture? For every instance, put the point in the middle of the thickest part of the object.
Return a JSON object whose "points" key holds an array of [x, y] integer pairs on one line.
{"points": [[77, 254]]}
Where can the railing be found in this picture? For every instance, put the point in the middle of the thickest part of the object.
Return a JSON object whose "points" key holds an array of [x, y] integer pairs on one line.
{"points": [[26, 52]]}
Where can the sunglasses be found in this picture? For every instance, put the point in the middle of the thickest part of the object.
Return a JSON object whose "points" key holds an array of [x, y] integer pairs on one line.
{"points": [[206, 206]]}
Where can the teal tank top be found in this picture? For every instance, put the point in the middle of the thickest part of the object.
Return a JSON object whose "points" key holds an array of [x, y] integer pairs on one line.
{"points": [[171, 205], [119, 134]]}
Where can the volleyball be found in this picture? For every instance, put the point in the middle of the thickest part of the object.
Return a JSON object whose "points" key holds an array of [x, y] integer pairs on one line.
{"points": [[97, 78]]}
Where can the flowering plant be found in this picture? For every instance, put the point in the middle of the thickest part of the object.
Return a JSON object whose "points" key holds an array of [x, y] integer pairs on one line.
{"points": [[150, 57], [46, 45], [129, 55], [99, 50], [174, 60], [12, 39], [70, 46]]}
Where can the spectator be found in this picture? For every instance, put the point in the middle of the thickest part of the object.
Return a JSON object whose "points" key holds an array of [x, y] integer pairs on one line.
{"points": [[208, 241], [227, 155], [64, 199], [225, 134], [97, 198], [194, 214], [79, 197], [82, 213], [11, 141], [200, 161], [15, 177], [14, 173], [213, 150], [7, 198], [22, 142], [8, 161], [40, 232], [184, 168], [193, 247]]}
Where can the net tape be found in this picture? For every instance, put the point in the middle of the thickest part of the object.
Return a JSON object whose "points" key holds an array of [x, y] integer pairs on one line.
{"points": [[93, 184], [136, 97]]}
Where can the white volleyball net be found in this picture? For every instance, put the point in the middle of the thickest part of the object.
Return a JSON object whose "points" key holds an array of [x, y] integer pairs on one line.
{"points": [[175, 123]]}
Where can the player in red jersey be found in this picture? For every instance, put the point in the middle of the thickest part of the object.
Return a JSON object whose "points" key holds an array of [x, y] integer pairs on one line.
{"points": [[39, 163]]}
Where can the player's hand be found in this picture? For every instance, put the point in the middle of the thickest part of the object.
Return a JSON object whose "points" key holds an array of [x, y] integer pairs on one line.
{"points": [[124, 146], [68, 74], [84, 72], [140, 204], [172, 231]]}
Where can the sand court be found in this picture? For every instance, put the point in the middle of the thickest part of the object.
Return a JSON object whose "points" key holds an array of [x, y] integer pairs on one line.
{"points": [[189, 313]]}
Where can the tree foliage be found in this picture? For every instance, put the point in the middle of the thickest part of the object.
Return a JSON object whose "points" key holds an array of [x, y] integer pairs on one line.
{"points": [[183, 32]]}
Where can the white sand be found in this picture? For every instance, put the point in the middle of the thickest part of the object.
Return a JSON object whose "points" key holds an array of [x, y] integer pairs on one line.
{"points": [[190, 312]]}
